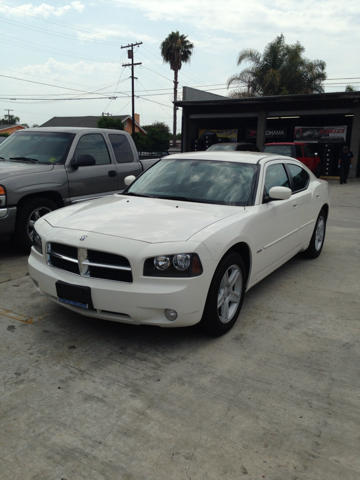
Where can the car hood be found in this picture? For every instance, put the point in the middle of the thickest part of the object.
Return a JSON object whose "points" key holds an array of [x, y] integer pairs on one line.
{"points": [[13, 169], [149, 220]]}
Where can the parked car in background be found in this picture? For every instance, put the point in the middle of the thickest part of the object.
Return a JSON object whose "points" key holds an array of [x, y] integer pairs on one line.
{"points": [[233, 146], [42, 169], [183, 242], [300, 151]]}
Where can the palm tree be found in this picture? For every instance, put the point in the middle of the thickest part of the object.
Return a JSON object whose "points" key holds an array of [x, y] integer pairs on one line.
{"points": [[176, 50], [280, 70], [9, 120]]}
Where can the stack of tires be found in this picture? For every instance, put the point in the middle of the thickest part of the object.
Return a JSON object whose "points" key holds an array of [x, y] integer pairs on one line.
{"points": [[329, 154]]}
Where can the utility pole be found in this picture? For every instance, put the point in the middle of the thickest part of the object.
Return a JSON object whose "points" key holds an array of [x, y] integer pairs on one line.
{"points": [[132, 65], [8, 115]]}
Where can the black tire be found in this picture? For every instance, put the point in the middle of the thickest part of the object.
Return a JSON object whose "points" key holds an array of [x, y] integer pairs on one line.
{"points": [[317, 172], [225, 296], [318, 237], [28, 212]]}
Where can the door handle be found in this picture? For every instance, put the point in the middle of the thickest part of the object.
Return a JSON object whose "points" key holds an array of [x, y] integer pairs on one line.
{"points": [[112, 173]]}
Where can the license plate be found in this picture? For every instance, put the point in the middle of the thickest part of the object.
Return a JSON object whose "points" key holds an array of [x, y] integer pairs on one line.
{"points": [[75, 295]]}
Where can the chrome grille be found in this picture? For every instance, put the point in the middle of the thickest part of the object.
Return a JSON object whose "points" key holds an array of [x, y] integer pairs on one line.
{"points": [[89, 263]]}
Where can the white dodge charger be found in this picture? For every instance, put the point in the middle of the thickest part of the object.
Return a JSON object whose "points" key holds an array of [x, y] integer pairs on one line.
{"points": [[183, 242]]}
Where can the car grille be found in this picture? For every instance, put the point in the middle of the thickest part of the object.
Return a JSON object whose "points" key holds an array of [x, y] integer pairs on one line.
{"points": [[89, 263]]}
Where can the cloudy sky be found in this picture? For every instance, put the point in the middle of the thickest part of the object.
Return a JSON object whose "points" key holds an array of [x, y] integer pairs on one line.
{"points": [[64, 58]]}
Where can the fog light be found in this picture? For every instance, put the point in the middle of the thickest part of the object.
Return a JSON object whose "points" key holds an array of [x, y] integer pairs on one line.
{"points": [[171, 314]]}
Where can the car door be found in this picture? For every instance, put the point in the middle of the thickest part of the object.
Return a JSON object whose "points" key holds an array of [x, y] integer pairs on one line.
{"points": [[125, 157], [302, 195], [309, 158], [275, 228], [95, 180]]}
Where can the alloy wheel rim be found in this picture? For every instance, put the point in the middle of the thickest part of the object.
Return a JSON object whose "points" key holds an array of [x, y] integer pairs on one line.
{"points": [[229, 294], [319, 233], [33, 217]]}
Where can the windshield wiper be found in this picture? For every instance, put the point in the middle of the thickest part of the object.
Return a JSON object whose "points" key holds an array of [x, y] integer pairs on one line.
{"points": [[138, 195], [183, 199], [25, 159]]}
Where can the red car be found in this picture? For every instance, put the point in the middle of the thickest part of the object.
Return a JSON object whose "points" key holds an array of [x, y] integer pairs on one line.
{"points": [[300, 151]]}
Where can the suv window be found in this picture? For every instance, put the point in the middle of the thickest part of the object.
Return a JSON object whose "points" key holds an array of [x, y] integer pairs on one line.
{"points": [[300, 177], [287, 150], [275, 177], [298, 151], [93, 144], [307, 151], [122, 148]]}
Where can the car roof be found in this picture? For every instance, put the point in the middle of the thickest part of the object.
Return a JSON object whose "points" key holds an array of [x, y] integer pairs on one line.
{"points": [[70, 130], [234, 143], [222, 156], [287, 143]]}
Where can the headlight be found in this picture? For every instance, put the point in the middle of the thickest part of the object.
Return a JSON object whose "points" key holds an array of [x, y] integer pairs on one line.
{"points": [[179, 265], [37, 242]]}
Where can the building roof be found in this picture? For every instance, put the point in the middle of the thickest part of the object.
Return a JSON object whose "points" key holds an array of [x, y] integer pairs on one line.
{"points": [[341, 101], [4, 127], [83, 122]]}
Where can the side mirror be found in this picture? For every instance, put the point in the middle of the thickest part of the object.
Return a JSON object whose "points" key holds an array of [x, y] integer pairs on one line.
{"points": [[129, 180], [83, 161], [279, 193]]}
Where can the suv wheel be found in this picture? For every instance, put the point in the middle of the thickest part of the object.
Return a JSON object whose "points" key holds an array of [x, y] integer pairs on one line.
{"points": [[28, 212]]}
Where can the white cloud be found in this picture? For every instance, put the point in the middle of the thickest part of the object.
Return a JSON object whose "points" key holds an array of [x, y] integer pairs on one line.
{"points": [[110, 32], [251, 20], [44, 10]]}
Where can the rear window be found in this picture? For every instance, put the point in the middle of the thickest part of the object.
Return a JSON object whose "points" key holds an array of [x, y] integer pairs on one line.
{"points": [[287, 150], [300, 177], [122, 148]]}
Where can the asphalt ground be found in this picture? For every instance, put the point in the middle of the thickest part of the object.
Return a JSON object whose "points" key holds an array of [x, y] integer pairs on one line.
{"points": [[276, 398]]}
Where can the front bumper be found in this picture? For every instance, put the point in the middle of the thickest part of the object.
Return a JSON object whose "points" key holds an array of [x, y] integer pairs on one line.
{"points": [[143, 301], [7, 221]]}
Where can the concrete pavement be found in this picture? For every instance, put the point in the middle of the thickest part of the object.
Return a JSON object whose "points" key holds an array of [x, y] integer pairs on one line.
{"points": [[277, 398]]}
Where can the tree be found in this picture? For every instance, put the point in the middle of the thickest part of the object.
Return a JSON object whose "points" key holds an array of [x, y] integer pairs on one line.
{"points": [[155, 140], [350, 88], [9, 120], [176, 50], [110, 122], [280, 70], [159, 125]]}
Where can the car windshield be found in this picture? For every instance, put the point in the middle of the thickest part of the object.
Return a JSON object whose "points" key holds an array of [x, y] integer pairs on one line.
{"points": [[286, 150], [37, 147], [222, 147], [217, 182]]}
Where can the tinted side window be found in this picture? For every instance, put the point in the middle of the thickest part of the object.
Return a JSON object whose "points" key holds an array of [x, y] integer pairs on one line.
{"points": [[122, 148], [275, 177], [93, 144], [300, 177], [307, 151], [298, 149]]}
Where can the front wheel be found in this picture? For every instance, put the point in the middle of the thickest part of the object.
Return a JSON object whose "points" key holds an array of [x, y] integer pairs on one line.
{"points": [[318, 237], [225, 296], [318, 170], [27, 215]]}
